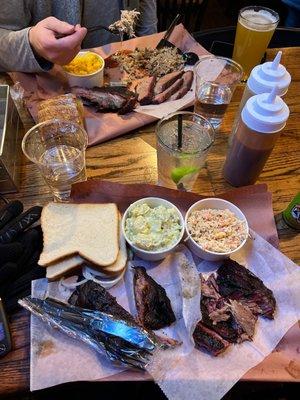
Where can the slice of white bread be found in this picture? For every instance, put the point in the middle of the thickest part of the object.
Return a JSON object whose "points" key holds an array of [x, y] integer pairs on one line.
{"points": [[88, 230], [117, 267], [65, 267]]}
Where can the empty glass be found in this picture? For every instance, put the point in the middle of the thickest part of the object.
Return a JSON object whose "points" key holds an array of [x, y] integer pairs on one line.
{"points": [[58, 149], [216, 80]]}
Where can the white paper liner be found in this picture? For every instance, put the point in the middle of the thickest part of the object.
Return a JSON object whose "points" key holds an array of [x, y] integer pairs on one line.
{"points": [[184, 372]]}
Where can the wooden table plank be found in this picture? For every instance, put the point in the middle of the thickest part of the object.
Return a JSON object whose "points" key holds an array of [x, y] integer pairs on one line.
{"points": [[132, 159]]}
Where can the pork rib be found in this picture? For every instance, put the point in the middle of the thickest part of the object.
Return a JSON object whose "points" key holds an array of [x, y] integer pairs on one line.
{"points": [[114, 99], [152, 303], [93, 296]]}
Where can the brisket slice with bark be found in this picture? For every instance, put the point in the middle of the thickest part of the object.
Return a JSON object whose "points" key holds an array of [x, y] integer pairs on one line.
{"points": [[166, 81], [187, 80], [114, 99], [93, 296], [152, 303], [206, 339], [144, 90], [238, 283], [166, 94]]}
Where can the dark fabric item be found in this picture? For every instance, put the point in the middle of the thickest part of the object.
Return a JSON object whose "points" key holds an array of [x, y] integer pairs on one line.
{"points": [[18, 225], [20, 252], [10, 252], [7, 273], [10, 211]]}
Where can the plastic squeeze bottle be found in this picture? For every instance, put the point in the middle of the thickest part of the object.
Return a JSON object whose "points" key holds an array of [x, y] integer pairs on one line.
{"points": [[263, 78], [259, 126]]}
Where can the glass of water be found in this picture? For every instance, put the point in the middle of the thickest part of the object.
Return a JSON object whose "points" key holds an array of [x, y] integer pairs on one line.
{"points": [[216, 80], [58, 149], [180, 156]]}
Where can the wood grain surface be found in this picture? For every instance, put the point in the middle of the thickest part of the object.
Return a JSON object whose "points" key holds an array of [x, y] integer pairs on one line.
{"points": [[132, 159]]}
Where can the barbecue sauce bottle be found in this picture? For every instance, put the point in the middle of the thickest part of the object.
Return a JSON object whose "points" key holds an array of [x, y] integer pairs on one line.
{"points": [[254, 137], [263, 78]]}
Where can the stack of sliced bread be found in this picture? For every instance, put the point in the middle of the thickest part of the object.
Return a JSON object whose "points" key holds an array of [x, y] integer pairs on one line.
{"points": [[82, 234]]}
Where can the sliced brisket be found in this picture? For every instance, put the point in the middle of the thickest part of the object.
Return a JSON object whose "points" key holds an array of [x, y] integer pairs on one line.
{"points": [[185, 87], [145, 90], [165, 95], [166, 81]]}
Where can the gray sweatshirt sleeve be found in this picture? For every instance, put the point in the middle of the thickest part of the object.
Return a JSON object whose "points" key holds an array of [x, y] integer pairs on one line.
{"points": [[147, 24], [16, 53], [15, 50]]}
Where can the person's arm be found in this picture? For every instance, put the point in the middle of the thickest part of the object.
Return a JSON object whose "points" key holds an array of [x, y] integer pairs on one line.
{"points": [[35, 49], [15, 50], [147, 24], [16, 53]]}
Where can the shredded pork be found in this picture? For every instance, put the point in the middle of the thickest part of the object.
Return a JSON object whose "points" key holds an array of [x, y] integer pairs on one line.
{"points": [[149, 62], [126, 24]]}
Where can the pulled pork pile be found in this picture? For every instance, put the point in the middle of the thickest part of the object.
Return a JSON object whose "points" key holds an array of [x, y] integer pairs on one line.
{"points": [[149, 62], [230, 305]]}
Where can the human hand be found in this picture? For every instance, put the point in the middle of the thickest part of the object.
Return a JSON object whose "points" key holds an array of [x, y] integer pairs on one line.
{"points": [[55, 40]]}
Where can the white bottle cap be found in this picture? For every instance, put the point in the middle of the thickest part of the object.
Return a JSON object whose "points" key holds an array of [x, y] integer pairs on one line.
{"points": [[265, 76], [266, 112]]}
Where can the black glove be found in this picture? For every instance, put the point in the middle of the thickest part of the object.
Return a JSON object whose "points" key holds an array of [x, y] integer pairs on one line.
{"points": [[20, 248]]}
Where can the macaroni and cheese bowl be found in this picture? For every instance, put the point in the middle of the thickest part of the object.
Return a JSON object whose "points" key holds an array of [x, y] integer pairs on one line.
{"points": [[85, 70], [215, 229], [152, 227]]}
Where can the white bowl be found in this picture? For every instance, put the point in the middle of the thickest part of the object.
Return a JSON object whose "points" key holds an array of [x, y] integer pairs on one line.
{"points": [[154, 255], [90, 80], [219, 204]]}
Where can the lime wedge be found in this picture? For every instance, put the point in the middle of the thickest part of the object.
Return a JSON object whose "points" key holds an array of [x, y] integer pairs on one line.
{"points": [[178, 173]]}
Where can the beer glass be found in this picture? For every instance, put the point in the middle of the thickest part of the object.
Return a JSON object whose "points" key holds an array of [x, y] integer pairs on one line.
{"points": [[58, 149], [254, 31]]}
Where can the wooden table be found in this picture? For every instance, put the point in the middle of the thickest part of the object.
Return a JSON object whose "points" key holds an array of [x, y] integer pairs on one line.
{"points": [[132, 159]]}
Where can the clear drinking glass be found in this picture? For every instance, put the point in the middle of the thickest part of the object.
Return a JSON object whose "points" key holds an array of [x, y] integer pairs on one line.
{"points": [[216, 80], [179, 163], [254, 31], [58, 149]]}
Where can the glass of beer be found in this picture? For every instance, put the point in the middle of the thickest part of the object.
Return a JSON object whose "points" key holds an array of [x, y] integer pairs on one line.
{"points": [[254, 31]]}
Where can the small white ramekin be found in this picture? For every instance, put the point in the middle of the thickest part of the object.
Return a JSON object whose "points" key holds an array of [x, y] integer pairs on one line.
{"points": [[90, 80], [158, 254], [220, 204]]}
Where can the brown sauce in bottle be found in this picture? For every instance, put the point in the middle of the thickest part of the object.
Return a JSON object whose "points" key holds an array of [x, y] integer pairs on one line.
{"points": [[247, 155]]}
